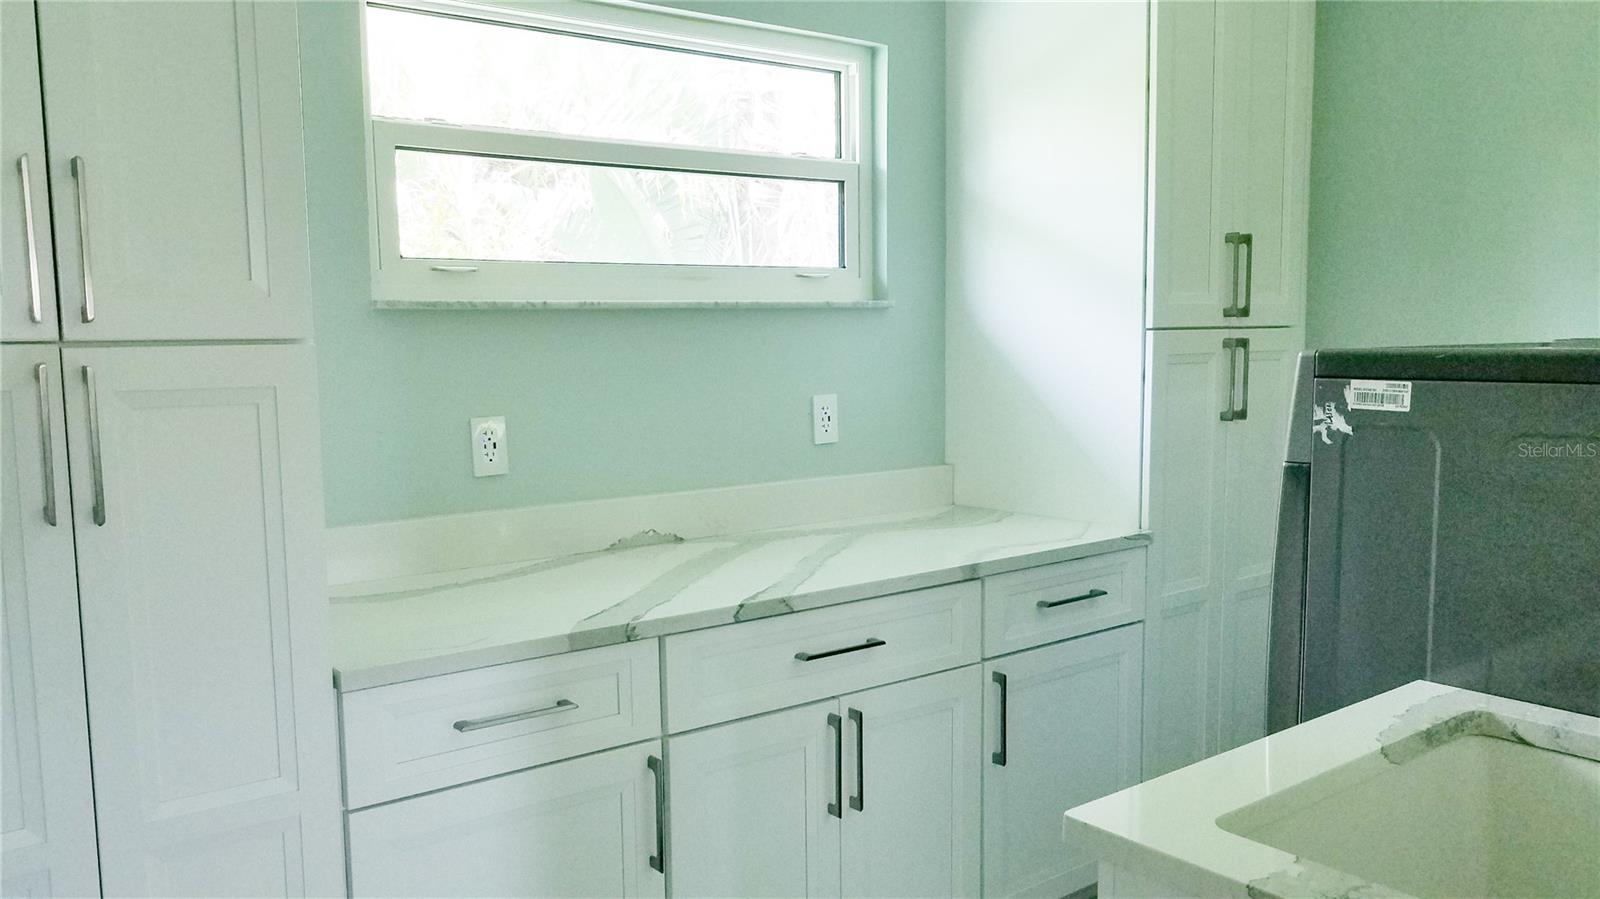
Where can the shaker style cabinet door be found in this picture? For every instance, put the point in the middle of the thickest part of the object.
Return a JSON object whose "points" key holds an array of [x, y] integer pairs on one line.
{"points": [[1256, 446], [176, 169], [913, 791], [755, 805], [1189, 378], [585, 827], [48, 839], [27, 266], [1062, 729], [1230, 162], [196, 504]]}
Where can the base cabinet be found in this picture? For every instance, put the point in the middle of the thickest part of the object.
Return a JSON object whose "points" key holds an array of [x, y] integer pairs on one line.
{"points": [[584, 827], [875, 793], [1063, 728]]}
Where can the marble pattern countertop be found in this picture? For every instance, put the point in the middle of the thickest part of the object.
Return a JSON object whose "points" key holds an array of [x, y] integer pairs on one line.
{"points": [[1167, 831], [651, 584]]}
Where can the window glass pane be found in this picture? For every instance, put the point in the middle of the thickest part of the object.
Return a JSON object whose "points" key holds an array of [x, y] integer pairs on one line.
{"points": [[457, 206], [475, 73]]}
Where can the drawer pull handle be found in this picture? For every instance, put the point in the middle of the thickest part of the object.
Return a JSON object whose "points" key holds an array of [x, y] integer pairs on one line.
{"points": [[1081, 597], [869, 643], [836, 724], [999, 755], [471, 724], [659, 860]]}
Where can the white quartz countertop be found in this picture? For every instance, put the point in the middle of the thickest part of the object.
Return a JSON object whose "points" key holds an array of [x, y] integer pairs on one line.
{"points": [[1166, 830], [650, 585]]}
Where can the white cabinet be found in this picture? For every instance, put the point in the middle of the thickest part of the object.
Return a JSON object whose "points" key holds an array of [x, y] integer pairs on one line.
{"points": [[1229, 147], [176, 171], [196, 505], [872, 794], [27, 272], [48, 811], [584, 827], [754, 806], [1213, 494], [913, 792], [1063, 728]]}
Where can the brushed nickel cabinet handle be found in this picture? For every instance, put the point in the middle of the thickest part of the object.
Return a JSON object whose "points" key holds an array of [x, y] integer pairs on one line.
{"points": [[1230, 345], [656, 766], [836, 807], [472, 724], [47, 442], [454, 269], [1233, 240], [1082, 597], [35, 310], [999, 755], [96, 470], [1247, 240], [869, 643], [80, 176], [1243, 411], [859, 800]]}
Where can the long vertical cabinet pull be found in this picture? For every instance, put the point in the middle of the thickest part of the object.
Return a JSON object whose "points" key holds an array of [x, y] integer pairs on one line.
{"points": [[1243, 411], [80, 176], [35, 311], [47, 440], [859, 800], [836, 807], [659, 860], [1247, 241], [1230, 346], [999, 755], [97, 471], [1233, 240]]}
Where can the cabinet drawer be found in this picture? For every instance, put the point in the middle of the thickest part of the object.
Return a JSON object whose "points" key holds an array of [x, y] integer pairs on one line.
{"points": [[426, 734], [1052, 602], [728, 672]]}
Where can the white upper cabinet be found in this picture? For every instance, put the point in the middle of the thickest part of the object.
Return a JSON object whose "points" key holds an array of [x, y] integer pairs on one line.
{"points": [[1213, 494], [27, 270], [1230, 151], [196, 504], [176, 170], [48, 804]]}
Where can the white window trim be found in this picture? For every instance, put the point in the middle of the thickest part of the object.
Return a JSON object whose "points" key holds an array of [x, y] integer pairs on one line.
{"points": [[399, 282]]}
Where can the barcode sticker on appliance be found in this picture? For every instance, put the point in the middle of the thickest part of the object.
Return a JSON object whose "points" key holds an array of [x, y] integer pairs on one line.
{"points": [[1380, 396]]}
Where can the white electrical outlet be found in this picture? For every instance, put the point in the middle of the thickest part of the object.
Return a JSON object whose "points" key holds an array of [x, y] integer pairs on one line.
{"points": [[825, 418], [490, 455]]}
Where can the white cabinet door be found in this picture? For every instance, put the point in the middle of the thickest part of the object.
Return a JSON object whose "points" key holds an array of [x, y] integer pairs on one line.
{"points": [[585, 827], [1230, 156], [196, 501], [1263, 107], [755, 805], [27, 272], [1188, 469], [48, 804], [1189, 210], [912, 784], [1255, 451], [176, 169], [1071, 734]]}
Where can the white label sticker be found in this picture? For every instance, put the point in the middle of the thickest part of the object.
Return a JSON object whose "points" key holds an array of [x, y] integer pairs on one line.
{"points": [[1379, 396]]}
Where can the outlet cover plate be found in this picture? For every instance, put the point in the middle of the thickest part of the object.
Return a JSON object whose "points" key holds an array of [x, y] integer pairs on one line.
{"points": [[825, 418], [490, 454]]}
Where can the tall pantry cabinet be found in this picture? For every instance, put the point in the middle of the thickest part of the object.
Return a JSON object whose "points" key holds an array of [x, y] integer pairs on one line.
{"points": [[168, 715], [1229, 166]]}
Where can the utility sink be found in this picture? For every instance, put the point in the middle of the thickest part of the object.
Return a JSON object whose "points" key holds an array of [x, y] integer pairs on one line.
{"points": [[1473, 816]]}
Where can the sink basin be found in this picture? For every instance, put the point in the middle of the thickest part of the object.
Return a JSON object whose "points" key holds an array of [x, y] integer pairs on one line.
{"points": [[1474, 815]]}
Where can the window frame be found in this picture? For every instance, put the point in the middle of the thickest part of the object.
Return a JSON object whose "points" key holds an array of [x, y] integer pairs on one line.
{"points": [[400, 282]]}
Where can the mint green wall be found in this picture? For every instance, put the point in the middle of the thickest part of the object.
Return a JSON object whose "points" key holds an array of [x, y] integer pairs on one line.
{"points": [[614, 403], [1455, 173]]}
